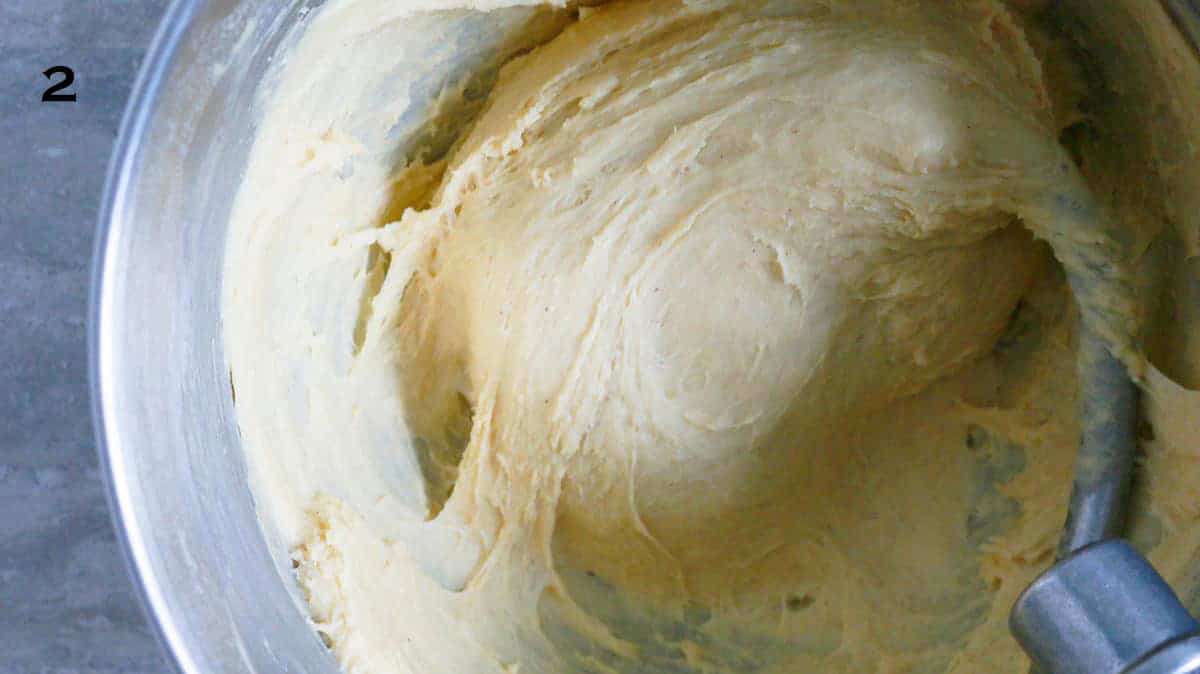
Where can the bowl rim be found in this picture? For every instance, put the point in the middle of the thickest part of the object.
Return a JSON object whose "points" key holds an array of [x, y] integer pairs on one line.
{"points": [[124, 167]]}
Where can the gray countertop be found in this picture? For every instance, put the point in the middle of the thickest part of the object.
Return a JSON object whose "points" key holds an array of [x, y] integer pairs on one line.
{"points": [[66, 603]]}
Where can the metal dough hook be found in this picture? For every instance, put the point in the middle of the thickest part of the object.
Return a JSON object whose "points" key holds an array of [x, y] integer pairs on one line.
{"points": [[1102, 608], [1108, 441]]}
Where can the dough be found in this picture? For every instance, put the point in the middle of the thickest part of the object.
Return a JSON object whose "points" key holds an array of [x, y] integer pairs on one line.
{"points": [[718, 342]]}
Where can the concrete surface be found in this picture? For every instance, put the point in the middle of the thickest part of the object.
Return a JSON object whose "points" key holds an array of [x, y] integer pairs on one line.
{"points": [[66, 604]]}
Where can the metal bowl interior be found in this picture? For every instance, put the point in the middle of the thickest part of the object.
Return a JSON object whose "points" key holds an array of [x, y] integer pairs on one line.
{"points": [[218, 591], [161, 391]]}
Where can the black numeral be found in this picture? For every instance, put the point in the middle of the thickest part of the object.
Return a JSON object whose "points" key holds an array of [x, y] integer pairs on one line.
{"points": [[68, 78]]}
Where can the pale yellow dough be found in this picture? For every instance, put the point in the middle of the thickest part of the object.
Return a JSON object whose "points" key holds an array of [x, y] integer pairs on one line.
{"points": [[718, 343]]}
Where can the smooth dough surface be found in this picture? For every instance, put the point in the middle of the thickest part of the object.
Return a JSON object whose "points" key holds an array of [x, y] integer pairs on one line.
{"points": [[718, 341]]}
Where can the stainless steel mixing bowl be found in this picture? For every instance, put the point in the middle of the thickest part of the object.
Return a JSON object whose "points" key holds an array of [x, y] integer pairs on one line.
{"points": [[219, 594]]}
